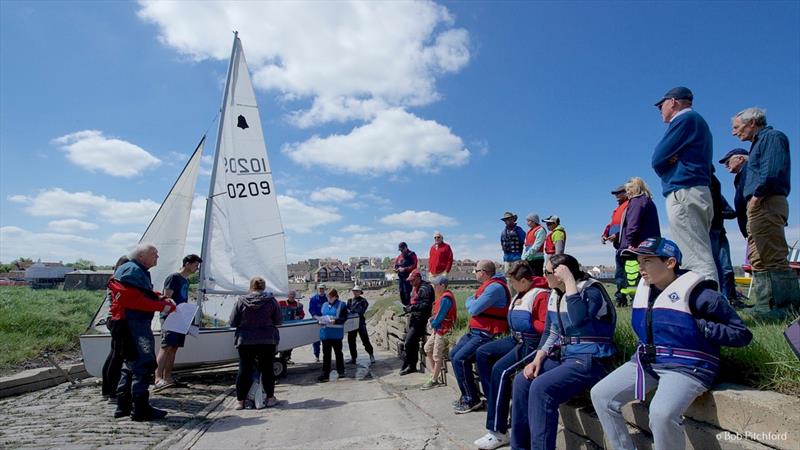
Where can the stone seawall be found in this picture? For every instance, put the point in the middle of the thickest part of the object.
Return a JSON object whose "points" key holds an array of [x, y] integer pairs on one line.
{"points": [[729, 417]]}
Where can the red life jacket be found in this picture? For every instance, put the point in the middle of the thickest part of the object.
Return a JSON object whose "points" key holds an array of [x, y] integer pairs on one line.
{"points": [[531, 237], [125, 297], [494, 319], [450, 319], [549, 245]]}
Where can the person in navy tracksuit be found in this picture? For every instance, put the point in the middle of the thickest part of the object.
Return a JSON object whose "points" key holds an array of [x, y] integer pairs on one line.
{"points": [[573, 353], [681, 321]]}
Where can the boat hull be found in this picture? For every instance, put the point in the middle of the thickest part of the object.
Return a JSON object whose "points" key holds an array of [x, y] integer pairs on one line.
{"points": [[211, 346]]}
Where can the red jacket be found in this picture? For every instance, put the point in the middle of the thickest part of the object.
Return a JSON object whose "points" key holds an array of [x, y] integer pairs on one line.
{"points": [[616, 222], [127, 297], [440, 259]]}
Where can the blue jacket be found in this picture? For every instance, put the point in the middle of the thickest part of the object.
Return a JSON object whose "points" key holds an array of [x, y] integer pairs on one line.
{"points": [[768, 169], [338, 314], [689, 138], [639, 222], [589, 313], [315, 304]]}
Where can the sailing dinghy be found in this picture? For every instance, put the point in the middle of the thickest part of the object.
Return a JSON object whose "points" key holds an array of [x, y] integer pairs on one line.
{"points": [[243, 235]]}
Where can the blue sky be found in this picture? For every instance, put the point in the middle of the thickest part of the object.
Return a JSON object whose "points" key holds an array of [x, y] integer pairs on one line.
{"points": [[384, 121]]}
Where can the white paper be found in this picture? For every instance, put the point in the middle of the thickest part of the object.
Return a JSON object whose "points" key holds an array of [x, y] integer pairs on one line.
{"points": [[194, 331], [324, 320], [181, 319]]}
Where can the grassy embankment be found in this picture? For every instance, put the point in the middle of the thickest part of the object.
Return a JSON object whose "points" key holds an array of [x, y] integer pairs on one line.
{"points": [[33, 321], [767, 363]]}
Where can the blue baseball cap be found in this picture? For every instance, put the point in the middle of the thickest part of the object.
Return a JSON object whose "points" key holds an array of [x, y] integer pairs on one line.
{"points": [[678, 93], [734, 152], [656, 247]]}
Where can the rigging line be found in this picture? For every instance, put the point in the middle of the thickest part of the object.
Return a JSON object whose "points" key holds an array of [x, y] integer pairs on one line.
{"points": [[266, 236], [216, 116]]}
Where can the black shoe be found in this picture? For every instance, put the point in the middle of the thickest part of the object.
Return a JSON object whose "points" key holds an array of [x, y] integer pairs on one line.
{"points": [[352, 361], [322, 378], [407, 371], [123, 406], [143, 412]]}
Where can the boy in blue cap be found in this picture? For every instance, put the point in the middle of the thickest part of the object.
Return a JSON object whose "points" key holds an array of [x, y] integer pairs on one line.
{"points": [[681, 322]]}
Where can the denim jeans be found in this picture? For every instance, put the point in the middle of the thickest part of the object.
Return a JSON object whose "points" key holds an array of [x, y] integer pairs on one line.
{"points": [[534, 410], [497, 362], [722, 258], [139, 368], [620, 280], [461, 357], [676, 391]]}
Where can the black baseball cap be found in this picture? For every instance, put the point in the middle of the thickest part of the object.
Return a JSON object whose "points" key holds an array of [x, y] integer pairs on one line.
{"points": [[679, 93], [734, 152]]}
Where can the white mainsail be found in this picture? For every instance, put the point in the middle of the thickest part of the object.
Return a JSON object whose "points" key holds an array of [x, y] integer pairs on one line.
{"points": [[243, 234]]}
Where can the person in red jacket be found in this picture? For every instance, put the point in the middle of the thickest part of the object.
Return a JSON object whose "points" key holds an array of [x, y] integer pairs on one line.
{"points": [[612, 234], [440, 257]]}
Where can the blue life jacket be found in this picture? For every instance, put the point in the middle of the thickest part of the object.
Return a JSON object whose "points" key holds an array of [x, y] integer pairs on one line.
{"points": [[595, 336], [672, 327], [520, 315], [332, 330]]}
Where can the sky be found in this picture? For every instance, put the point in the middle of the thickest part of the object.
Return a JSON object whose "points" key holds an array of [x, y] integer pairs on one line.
{"points": [[384, 121]]}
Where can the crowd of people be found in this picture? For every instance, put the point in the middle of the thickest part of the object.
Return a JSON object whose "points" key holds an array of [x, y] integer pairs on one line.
{"points": [[540, 330]]}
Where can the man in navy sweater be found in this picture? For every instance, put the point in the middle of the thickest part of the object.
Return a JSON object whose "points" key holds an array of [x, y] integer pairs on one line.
{"points": [[683, 162], [767, 184]]}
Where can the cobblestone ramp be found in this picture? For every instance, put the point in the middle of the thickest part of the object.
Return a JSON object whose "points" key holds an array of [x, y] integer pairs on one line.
{"points": [[79, 418]]}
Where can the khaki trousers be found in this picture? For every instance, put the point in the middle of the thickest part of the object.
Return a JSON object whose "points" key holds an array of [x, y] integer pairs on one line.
{"points": [[766, 240], [689, 212]]}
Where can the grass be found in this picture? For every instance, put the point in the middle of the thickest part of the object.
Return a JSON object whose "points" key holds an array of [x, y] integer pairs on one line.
{"points": [[33, 321], [766, 363]]}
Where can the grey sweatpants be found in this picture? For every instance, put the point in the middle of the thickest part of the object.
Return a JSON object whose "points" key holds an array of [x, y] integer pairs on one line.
{"points": [[675, 393], [689, 212]]}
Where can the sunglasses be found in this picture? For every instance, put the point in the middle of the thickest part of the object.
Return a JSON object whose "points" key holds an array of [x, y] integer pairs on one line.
{"points": [[479, 270], [548, 272]]}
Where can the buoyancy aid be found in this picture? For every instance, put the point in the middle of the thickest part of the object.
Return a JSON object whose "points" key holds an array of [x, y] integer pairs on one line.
{"points": [[450, 317], [494, 319]]}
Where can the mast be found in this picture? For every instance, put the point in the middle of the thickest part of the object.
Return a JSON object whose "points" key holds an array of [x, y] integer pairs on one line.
{"points": [[210, 199]]}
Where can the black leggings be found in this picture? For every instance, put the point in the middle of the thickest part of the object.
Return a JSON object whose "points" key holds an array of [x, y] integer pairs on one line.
{"points": [[250, 356], [351, 340], [112, 369]]}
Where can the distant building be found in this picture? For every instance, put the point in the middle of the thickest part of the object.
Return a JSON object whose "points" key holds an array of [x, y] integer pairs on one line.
{"points": [[333, 273], [371, 276], [46, 275], [91, 280]]}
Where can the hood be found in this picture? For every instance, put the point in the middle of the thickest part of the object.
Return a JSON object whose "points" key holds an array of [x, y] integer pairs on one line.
{"points": [[540, 282], [256, 300]]}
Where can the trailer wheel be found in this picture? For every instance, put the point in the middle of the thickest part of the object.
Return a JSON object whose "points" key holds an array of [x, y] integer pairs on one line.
{"points": [[279, 368]]}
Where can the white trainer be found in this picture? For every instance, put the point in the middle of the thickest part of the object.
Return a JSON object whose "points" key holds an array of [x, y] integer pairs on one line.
{"points": [[492, 441]]}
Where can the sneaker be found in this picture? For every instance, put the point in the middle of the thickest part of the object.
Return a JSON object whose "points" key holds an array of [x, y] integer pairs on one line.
{"points": [[372, 359], [492, 441], [323, 378], [271, 402], [466, 407], [317, 358], [457, 402], [430, 384]]}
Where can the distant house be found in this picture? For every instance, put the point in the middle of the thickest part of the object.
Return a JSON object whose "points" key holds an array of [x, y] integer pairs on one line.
{"points": [[371, 276], [46, 275], [334, 273], [91, 280]]}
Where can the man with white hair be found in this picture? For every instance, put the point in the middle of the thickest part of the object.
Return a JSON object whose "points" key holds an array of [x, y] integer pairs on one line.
{"points": [[440, 257], [767, 185], [133, 280]]}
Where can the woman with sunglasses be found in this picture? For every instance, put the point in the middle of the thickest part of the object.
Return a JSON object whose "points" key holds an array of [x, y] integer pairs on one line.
{"points": [[572, 356]]}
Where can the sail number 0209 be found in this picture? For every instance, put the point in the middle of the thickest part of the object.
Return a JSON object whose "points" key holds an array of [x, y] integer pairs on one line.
{"points": [[251, 189]]}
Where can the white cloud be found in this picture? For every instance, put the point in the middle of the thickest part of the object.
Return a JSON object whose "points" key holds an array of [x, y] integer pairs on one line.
{"points": [[332, 194], [70, 226], [91, 150], [394, 140], [355, 229], [337, 54], [373, 244], [301, 218], [60, 203], [411, 218], [18, 198], [18, 242]]}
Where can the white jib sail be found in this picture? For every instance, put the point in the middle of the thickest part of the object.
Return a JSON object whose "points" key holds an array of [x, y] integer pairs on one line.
{"points": [[167, 231], [243, 235]]}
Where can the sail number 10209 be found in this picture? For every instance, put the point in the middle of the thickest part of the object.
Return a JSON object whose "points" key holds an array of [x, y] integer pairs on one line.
{"points": [[251, 189]]}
